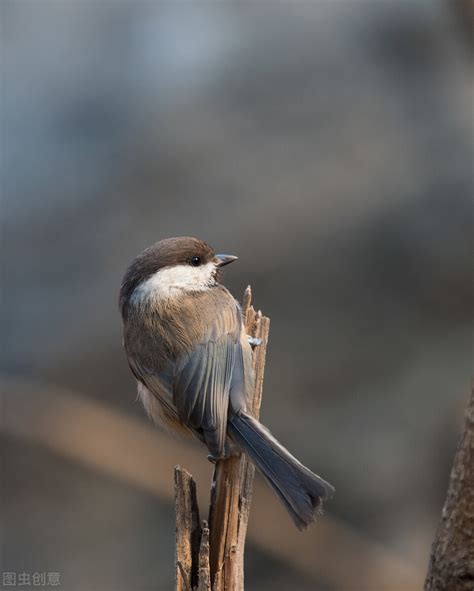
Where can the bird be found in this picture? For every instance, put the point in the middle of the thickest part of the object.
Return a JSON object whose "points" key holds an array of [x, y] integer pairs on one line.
{"points": [[187, 347]]}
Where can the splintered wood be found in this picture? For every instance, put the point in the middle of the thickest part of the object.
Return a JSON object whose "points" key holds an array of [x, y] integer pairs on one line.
{"points": [[451, 566], [212, 559]]}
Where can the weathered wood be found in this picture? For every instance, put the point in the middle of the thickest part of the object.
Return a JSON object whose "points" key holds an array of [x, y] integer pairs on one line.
{"points": [[213, 558], [233, 478], [188, 530], [451, 566], [257, 326], [204, 582]]}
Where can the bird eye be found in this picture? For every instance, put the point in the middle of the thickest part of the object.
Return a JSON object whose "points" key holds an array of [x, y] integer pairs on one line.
{"points": [[195, 261]]}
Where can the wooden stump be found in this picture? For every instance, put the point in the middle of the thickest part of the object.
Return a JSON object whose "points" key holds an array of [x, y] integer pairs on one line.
{"points": [[213, 558]]}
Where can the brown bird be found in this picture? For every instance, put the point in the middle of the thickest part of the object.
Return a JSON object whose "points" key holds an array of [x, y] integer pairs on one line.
{"points": [[187, 348]]}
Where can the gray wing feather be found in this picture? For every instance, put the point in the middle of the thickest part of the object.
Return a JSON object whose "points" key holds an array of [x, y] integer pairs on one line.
{"points": [[201, 389]]}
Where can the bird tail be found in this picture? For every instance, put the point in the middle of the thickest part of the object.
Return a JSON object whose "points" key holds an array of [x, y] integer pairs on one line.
{"points": [[301, 491]]}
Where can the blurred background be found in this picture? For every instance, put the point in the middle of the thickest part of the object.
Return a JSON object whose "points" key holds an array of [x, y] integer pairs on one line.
{"points": [[329, 145]]}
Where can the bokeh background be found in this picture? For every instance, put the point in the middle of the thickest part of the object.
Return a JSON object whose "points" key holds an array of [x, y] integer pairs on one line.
{"points": [[329, 145]]}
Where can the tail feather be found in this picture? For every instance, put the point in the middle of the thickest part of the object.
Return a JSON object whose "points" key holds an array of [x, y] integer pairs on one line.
{"points": [[301, 491]]}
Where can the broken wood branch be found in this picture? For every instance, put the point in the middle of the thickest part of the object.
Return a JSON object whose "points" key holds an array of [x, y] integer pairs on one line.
{"points": [[213, 558]]}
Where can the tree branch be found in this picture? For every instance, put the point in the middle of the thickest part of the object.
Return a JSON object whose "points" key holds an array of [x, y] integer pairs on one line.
{"points": [[188, 530], [214, 558], [233, 478], [451, 566]]}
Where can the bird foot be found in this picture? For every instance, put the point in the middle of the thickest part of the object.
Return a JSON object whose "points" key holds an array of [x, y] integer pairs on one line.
{"points": [[254, 341], [230, 451]]}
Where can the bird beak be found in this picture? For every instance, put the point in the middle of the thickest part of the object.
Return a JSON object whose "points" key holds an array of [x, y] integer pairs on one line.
{"points": [[224, 259]]}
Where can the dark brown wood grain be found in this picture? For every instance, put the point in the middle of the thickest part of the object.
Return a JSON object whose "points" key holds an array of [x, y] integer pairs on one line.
{"points": [[188, 530], [451, 566]]}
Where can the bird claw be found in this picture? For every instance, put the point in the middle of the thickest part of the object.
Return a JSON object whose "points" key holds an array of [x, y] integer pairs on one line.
{"points": [[254, 341], [230, 451]]}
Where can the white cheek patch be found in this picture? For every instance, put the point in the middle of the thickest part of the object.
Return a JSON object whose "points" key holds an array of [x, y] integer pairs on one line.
{"points": [[166, 283]]}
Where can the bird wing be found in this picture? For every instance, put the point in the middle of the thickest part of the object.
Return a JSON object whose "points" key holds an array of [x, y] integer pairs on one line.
{"points": [[160, 385], [201, 390], [207, 377]]}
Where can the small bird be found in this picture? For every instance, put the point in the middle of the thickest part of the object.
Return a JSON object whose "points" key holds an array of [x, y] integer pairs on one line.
{"points": [[187, 348]]}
